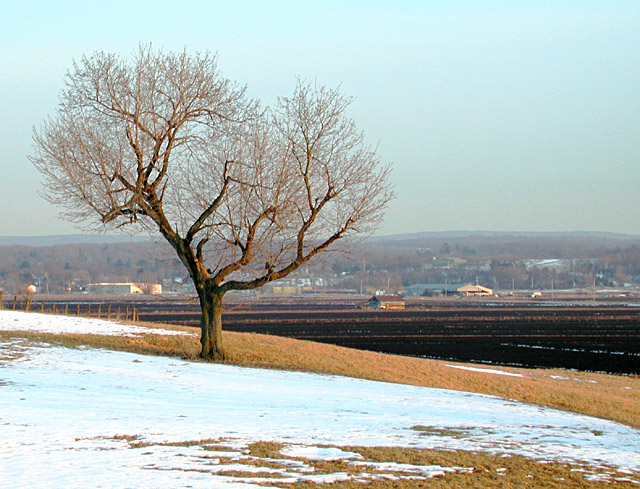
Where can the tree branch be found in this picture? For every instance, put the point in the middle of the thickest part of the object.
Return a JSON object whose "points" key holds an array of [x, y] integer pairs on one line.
{"points": [[247, 248], [197, 225]]}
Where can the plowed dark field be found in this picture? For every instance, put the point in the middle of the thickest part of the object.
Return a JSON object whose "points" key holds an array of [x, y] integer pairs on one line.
{"points": [[585, 338]]}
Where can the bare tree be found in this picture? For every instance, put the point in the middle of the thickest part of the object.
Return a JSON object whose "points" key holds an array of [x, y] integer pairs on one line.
{"points": [[244, 195]]}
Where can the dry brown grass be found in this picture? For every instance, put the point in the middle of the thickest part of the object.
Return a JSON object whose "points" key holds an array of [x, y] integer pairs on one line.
{"points": [[613, 397], [466, 469], [607, 396], [506, 472]]}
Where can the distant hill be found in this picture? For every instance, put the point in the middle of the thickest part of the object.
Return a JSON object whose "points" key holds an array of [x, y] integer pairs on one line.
{"points": [[423, 239], [501, 234], [506, 245], [493, 258], [65, 239]]}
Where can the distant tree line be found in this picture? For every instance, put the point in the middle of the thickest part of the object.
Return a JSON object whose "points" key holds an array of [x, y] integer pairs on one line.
{"points": [[69, 268]]}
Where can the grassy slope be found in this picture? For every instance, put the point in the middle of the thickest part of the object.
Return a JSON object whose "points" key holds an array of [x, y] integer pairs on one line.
{"points": [[612, 397], [607, 396]]}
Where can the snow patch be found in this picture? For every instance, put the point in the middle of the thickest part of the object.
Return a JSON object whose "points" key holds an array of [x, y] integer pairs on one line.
{"points": [[47, 323], [71, 417], [485, 370], [318, 453], [426, 471]]}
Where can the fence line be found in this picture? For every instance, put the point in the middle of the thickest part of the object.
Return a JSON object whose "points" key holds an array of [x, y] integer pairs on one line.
{"points": [[116, 313]]}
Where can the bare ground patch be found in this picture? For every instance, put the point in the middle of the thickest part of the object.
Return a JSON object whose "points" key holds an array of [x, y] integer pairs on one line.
{"points": [[267, 464]]}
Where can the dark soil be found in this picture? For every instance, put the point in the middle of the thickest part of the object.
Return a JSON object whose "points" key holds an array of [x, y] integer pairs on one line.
{"points": [[592, 338], [601, 339]]}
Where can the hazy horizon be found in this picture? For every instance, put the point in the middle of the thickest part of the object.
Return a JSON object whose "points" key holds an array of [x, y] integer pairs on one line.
{"points": [[108, 238], [498, 116]]}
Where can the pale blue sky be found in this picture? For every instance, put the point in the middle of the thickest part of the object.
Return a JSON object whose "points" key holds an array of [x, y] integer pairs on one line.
{"points": [[497, 115]]}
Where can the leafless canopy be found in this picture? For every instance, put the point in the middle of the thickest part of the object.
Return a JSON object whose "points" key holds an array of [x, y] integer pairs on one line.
{"points": [[165, 141]]}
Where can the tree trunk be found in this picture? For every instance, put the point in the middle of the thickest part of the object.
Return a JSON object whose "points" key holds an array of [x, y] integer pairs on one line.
{"points": [[211, 325]]}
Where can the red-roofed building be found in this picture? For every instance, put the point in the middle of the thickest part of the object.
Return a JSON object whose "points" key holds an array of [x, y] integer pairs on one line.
{"points": [[387, 302]]}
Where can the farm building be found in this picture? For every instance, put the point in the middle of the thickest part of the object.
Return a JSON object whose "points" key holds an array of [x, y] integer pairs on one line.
{"points": [[286, 290], [387, 302], [474, 290], [432, 289], [123, 288]]}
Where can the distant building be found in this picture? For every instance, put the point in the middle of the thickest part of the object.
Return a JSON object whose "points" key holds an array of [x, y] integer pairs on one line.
{"points": [[286, 290], [387, 302], [474, 290], [432, 289], [444, 263], [123, 288]]}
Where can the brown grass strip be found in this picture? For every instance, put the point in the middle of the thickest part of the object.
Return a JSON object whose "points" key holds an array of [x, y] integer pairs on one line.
{"points": [[614, 397], [506, 472]]}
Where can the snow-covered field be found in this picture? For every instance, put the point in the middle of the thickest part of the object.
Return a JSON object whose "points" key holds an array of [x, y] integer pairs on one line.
{"points": [[45, 323], [77, 418]]}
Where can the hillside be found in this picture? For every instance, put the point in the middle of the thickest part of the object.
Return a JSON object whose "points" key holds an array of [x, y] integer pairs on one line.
{"points": [[166, 422], [613, 397]]}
